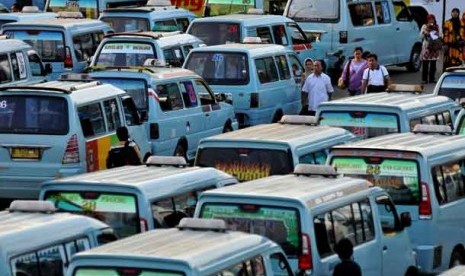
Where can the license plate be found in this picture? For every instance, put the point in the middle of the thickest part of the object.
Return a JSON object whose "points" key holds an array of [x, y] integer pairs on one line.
{"points": [[25, 153]]}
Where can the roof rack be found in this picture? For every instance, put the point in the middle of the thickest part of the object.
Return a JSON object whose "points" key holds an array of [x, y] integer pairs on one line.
{"points": [[412, 88], [298, 120], [432, 129], [30, 9], [119, 68], [455, 68], [70, 14], [310, 169], [76, 77], [32, 206], [159, 3], [177, 161], [217, 225]]}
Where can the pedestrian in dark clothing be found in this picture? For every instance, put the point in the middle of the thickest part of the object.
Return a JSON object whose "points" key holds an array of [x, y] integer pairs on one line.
{"points": [[347, 267], [125, 153]]}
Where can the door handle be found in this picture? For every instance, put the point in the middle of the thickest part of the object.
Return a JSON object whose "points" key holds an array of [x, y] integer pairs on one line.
{"points": [[207, 114], [397, 29], [384, 248]]}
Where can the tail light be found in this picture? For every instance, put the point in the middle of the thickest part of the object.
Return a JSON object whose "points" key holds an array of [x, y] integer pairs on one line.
{"points": [[254, 100], [425, 209], [68, 58], [343, 37], [305, 258], [71, 154], [154, 131], [144, 227]]}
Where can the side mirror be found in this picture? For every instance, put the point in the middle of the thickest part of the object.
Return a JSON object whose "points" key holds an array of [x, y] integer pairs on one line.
{"points": [[405, 219], [48, 69]]}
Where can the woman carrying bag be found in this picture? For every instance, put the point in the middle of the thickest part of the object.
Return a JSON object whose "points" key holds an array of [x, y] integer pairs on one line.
{"points": [[431, 49], [351, 77]]}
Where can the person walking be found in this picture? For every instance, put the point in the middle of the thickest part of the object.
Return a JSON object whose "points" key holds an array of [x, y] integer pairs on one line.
{"points": [[125, 153], [376, 77], [317, 88], [429, 55], [454, 42], [347, 266], [353, 72]]}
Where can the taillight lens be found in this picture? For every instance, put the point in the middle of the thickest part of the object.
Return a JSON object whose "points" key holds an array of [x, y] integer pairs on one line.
{"points": [[154, 131], [425, 210], [144, 227], [71, 154], [305, 258], [254, 100], [68, 59]]}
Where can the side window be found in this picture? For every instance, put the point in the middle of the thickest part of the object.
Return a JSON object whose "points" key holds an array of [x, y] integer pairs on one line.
{"points": [[254, 266], [382, 12], [354, 221], [361, 14], [91, 118], [266, 70], [112, 114], [449, 181], [51, 260], [318, 158], [443, 118], [187, 49], [414, 122], [279, 34], [169, 97], [35, 64], [283, 67], [174, 56], [297, 35], [297, 69], [130, 111], [97, 37], [183, 24], [76, 246], [279, 265], [188, 94], [265, 34], [387, 215], [27, 263], [206, 96], [83, 46], [5, 71], [169, 211], [401, 11]]}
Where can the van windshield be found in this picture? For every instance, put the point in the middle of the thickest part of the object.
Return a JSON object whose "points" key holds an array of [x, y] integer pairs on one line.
{"points": [[399, 177], [246, 163], [119, 271], [452, 87], [322, 11], [21, 114], [136, 88], [220, 68], [125, 54], [48, 44], [362, 124], [127, 24], [119, 211], [280, 224], [215, 33], [88, 8]]}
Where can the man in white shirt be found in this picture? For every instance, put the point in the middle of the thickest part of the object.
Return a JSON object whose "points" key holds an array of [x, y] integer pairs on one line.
{"points": [[375, 77], [317, 88]]}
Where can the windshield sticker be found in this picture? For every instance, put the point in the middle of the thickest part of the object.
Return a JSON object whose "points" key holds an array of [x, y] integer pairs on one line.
{"points": [[103, 203], [217, 58], [244, 171], [132, 48], [370, 120]]}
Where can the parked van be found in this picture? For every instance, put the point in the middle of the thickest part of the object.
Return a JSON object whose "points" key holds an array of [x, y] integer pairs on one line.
{"points": [[60, 128], [38, 241], [195, 248], [177, 107], [259, 80], [377, 114], [451, 84], [90, 8], [19, 63], [307, 215], [66, 44], [27, 13], [134, 199], [424, 174], [233, 28], [133, 49], [337, 26], [147, 18], [270, 149]]}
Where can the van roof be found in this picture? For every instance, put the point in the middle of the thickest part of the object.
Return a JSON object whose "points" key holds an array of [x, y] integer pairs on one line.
{"points": [[247, 20], [410, 103], [196, 249], [293, 135], [252, 49], [159, 73], [310, 191], [152, 181], [20, 230], [156, 11], [10, 45], [425, 144], [21, 16], [66, 23]]}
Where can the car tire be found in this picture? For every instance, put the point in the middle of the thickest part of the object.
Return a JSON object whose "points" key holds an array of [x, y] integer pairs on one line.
{"points": [[180, 150], [277, 116], [414, 63], [227, 128], [456, 258]]}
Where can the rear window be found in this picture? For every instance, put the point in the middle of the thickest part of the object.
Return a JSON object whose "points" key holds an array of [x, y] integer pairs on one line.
{"points": [[33, 115], [48, 44], [399, 177], [119, 211], [136, 88], [362, 124], [122, 54], [280, 224], [214, 33], [452, 87], [220, 68], [127, 24], [123, 271], [246, 163]]}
